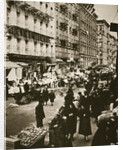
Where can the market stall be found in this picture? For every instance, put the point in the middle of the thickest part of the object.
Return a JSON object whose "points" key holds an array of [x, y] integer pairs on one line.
{"points": [[30, 137], [13, 71]]}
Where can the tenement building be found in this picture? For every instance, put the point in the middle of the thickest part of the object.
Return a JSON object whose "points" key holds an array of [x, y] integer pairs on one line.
{"points": [[67, 33], [107, 44], [30, 32], [87, 35], [112, 50], [76, 32], [103, 41]]}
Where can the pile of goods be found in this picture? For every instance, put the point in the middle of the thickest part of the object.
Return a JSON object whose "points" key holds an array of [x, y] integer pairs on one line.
{"points": [[31, 134]]}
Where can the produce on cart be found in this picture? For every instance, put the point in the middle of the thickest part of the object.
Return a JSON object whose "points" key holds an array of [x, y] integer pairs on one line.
{"points": [[30, 135]]}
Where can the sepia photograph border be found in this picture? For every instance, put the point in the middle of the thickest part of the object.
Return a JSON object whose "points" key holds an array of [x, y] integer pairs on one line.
{"points": [[120, 70]]}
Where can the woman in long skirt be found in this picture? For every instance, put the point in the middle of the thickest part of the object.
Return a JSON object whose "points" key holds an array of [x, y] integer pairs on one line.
{"points": [[84, 114]]}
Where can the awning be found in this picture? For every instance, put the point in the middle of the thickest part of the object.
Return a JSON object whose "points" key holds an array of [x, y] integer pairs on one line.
{"points": [[25, 58], [48, 64], [10, 64], [7, 71], [22, 64]]}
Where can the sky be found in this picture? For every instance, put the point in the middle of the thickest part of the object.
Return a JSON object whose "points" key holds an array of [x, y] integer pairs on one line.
{"points": [[109, 13]]}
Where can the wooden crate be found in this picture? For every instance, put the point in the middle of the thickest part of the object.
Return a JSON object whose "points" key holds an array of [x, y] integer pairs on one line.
{"points": [[12, 143]]}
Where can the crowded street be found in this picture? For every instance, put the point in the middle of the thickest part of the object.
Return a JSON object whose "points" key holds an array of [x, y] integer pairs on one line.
{"points": [[91, 99], [26, 112]]}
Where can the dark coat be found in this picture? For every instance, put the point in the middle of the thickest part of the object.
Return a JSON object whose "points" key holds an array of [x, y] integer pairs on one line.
{"points": [[88, 86], [45, 95], [71, 113], [70, 91], [26, 87], [39, 111], [100, 137], [52, 96], [97, 105], [57, 132], [84, 114], [37, 95]]}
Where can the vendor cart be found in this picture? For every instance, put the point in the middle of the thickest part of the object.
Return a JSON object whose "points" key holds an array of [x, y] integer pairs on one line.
{"points": [[30, 137], [37, 143]]}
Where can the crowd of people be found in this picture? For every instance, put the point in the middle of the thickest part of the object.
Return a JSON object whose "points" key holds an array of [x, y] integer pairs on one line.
{"points": [[99, 101]]}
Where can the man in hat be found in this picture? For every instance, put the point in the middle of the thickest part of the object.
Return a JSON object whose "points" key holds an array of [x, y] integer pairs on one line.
{"points": [[40, 115]]}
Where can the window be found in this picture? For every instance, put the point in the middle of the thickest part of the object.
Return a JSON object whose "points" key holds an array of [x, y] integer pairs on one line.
{"points": [[47, 25], [74, 32], [74, 17], [101, 27], [26, 46], [18, 45], [35, 44], [46, 5], [51, 8], [63, 43], [41, 22], [18, 13], [8, 12], [101, 61], [35, 20], [63, 9], [70, 29], [26, 17], [63, 26], [26, 20], [8, 42], [75, 46], [57, 24]]}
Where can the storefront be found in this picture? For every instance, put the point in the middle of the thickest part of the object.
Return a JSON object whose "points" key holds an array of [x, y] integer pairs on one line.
{"points": [[32, 66]]}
